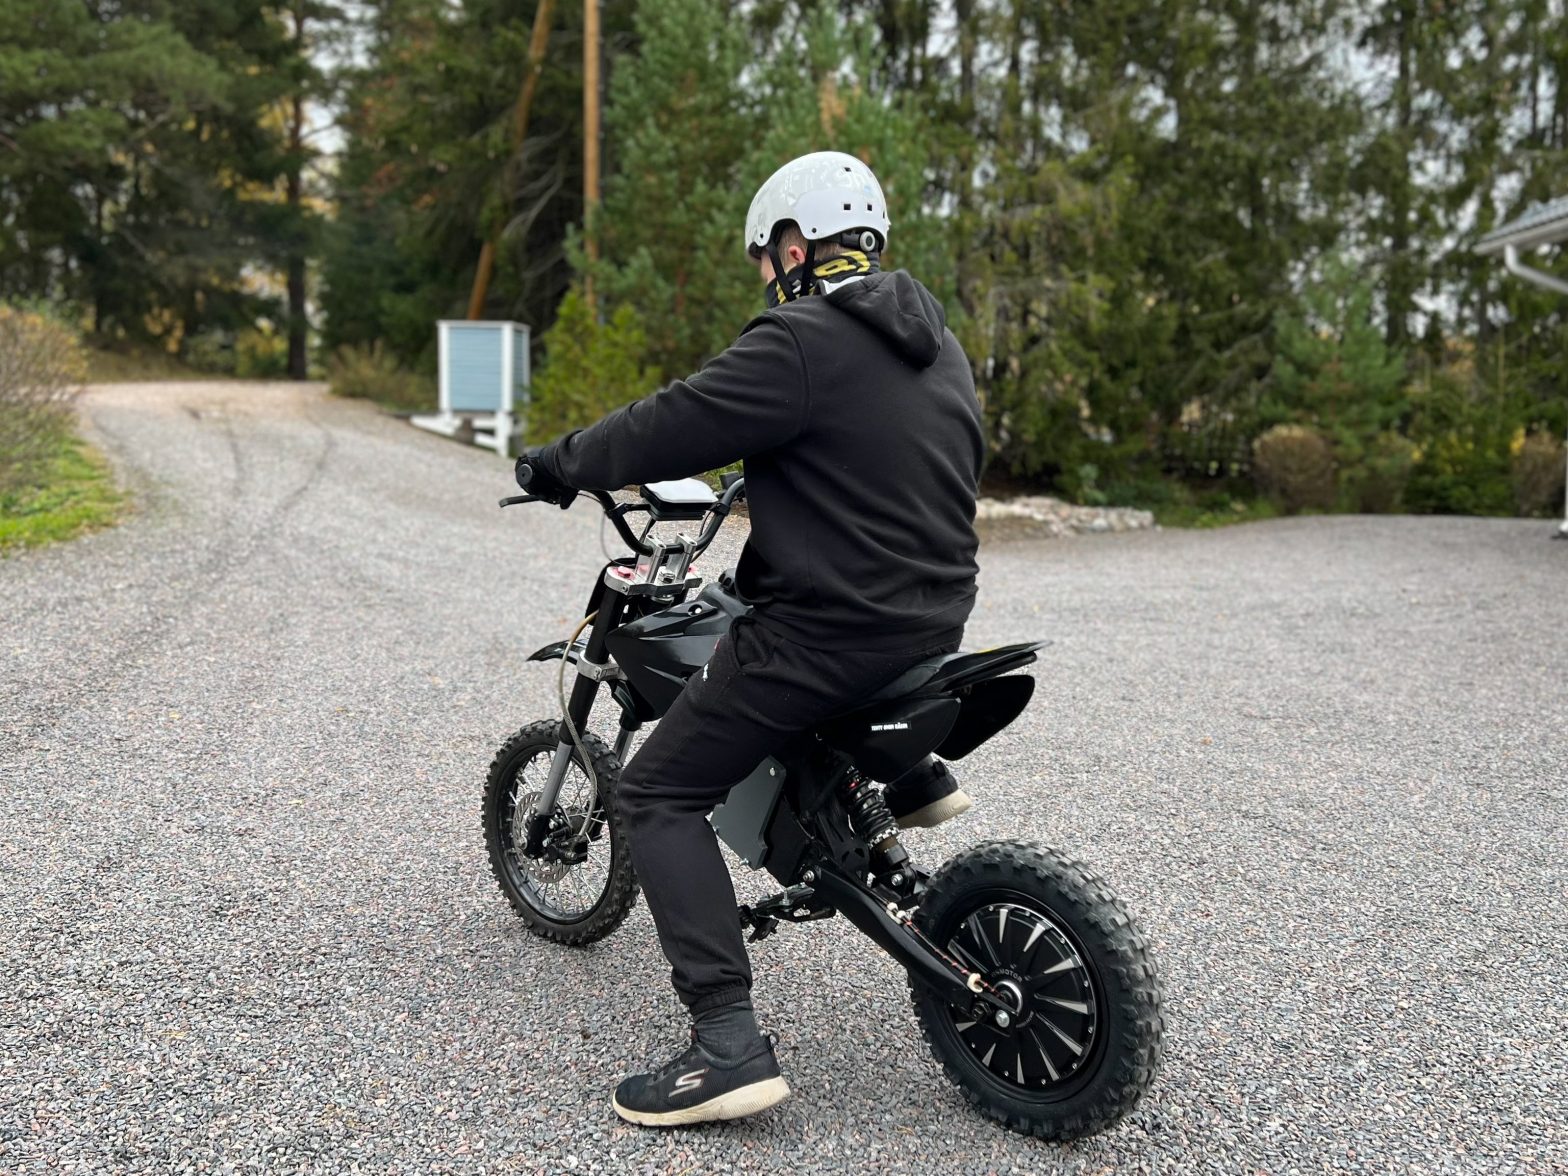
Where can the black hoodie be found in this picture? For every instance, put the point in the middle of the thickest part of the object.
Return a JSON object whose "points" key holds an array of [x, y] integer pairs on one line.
{"points": [[855, 414]]}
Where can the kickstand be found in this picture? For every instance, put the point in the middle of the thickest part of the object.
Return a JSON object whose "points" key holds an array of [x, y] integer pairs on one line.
{"points": [[761, 925]]}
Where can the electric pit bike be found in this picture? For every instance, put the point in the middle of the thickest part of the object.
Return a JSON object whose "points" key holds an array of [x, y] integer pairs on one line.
{"points": [[1033, 988]]}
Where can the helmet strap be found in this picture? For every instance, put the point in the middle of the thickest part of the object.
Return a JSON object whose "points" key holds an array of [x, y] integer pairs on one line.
{"points": [[814, 277], [808, 279], [779, 289]]}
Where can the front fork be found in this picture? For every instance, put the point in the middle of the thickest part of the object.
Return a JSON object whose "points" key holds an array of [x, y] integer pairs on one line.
{"points": [[590, 663]]}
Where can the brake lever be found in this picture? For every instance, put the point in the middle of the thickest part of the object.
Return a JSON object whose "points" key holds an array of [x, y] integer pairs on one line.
{"points": [[519, 499]]}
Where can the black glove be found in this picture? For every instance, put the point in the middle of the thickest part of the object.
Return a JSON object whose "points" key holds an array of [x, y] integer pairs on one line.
{"points": [[536, 480]]}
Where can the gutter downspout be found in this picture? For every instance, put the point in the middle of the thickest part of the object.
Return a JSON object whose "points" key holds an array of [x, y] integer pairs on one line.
{"points": [[1557, 286], [1544, 280]]}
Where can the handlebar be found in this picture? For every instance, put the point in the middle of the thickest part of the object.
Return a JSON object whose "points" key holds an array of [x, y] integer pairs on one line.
{"points": [[734, 487], [616, 511]]}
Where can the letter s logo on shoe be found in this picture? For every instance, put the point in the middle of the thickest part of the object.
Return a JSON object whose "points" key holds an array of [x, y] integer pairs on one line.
{"points": [[687, 1083]]}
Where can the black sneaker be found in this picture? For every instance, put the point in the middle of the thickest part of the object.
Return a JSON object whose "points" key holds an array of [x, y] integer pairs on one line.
{"points": [[925, 796], [698, 1088]]}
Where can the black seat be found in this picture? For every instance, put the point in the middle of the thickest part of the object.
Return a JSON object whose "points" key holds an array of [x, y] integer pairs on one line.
{"points": [[911, 679], [949, 671], [922, 711]]}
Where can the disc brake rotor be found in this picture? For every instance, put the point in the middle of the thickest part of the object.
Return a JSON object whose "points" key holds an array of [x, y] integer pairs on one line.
{"points": [[540, 869]]}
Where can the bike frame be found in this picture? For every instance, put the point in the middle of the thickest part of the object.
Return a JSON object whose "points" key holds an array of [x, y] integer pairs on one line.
{"points": [[788, 816]]}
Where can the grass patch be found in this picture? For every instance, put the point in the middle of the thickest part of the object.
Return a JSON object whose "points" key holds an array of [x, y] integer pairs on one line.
{"points": [[74, 494], [372, 373], [126, 364], [410, 394], [1205, 513]]}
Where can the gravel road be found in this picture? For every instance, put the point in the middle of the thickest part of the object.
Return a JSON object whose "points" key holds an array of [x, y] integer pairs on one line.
{"points": [[248, 922]]}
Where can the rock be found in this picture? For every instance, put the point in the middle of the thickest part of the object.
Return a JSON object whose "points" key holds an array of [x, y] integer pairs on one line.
{"points": [[1053, 518]]}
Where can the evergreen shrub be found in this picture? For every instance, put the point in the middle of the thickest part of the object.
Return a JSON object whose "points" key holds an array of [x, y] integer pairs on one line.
{"points": [[1295, 465], [1538, 471], [210, 351], [1457, 473], [260, 353], [1375, 484], [589, 368], [1462, 425]]}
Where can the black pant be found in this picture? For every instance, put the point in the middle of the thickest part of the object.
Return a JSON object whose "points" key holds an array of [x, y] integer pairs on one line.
{"points": [[757, 690]]}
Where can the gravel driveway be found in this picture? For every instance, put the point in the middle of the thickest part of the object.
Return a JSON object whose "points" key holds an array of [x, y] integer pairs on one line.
{"points": [[248, 921]]}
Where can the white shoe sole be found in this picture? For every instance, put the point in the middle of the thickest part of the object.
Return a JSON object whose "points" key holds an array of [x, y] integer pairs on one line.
{"points": [[937, 811], [734, 1104]]}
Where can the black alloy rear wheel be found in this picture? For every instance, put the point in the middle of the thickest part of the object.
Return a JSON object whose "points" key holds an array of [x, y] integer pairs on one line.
{"points": [[1079, 1042]]}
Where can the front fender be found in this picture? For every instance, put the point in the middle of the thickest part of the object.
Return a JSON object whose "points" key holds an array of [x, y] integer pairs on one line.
{"points": [[571, 651], [637, 711]]}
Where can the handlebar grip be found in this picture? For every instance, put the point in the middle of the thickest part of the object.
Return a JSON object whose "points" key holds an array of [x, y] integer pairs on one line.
{"points": [[525, 474]]}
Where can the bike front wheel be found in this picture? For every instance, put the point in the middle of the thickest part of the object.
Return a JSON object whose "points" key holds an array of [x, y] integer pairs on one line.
{"points": [[558, 896]]}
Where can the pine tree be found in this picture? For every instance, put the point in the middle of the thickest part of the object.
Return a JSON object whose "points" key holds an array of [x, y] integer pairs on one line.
{"points": [[1335, 369], [90, 99], [590, 368], [671, 227], [428, 144]]}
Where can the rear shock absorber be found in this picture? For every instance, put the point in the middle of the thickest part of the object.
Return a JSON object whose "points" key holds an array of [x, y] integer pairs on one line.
{"points": [[870, 818]]}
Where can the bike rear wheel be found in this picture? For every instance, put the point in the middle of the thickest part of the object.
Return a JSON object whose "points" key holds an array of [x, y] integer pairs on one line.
{"points": [[1080, 1041], [570, 902]]}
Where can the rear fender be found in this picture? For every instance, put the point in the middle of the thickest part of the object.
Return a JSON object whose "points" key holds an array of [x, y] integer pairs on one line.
{"points": [[988, 706], [965, 669]]}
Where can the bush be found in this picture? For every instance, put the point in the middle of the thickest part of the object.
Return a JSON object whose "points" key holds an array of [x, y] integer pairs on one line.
{"points": [[1462, 424], [1458, 473], [260, 353], [210, 351], [1294, 465], [590, 368], [1376, 483], [1538, 472], [370, 373], [42, 368]]}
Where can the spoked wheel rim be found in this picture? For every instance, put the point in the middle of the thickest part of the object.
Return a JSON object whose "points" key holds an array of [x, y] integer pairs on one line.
{"points": [[1048, 1044], [563, 893]]}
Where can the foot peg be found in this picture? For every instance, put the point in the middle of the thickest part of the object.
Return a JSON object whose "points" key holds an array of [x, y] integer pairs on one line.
{"points": [[796, 905]]}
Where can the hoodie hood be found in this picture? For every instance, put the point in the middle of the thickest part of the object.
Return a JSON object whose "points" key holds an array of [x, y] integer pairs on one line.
{"points": [[899, 309]]}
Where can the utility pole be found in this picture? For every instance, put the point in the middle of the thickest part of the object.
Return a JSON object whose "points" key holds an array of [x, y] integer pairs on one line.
{"points": [[525, 102], [590, 140], [294, 190]]}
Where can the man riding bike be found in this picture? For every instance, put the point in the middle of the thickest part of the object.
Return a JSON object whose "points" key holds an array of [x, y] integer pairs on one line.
{"points": [[854, 411]]}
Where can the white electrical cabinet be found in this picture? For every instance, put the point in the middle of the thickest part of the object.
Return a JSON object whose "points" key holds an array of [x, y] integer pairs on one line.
{"points": [[484, 379]]}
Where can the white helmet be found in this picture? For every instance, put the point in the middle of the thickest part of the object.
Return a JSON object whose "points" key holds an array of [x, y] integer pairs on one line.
{"points": [[826, 193]]}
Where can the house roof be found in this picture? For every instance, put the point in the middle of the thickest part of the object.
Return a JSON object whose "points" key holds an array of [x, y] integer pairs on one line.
{"points": [[1540, 224]]}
